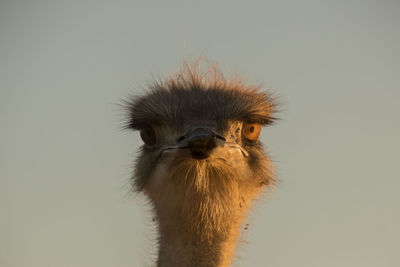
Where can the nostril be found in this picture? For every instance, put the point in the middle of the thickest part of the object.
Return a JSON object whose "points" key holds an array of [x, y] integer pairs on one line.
{"points": [[220, 137], [180, 138]]}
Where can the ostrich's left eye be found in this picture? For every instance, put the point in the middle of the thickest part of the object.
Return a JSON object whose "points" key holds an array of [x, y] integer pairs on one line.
{"points": [[148, 136], [251, 131]]}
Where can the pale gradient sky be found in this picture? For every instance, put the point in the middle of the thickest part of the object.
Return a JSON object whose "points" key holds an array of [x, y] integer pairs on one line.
{"points": [[65, 164]]}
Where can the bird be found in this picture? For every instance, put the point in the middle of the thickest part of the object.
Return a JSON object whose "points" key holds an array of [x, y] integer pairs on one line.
{"points": [[201, 164]]}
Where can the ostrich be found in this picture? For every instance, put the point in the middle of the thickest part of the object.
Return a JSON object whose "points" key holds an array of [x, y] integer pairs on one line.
{"points": [[201, 164]]}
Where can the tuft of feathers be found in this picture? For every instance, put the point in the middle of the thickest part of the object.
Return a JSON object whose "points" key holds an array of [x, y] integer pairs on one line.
{"points": [[196, 94]]}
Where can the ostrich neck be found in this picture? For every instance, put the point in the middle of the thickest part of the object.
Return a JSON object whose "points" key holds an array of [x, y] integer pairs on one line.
{"points": [[180, 247], [199, 215]]}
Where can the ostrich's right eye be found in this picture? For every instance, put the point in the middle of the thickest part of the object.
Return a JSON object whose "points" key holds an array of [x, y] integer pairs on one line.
{"points": [[148, 136]]}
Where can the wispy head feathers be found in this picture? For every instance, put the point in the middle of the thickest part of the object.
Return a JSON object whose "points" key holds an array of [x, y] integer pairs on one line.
{"points": [[193, 94]]}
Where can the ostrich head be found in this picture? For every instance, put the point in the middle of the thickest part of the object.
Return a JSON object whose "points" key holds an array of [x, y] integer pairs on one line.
{"points": [[201, 164]]}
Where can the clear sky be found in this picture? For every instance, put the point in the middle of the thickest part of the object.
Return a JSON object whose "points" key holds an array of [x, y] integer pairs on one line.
{"points": [[65, 164]]}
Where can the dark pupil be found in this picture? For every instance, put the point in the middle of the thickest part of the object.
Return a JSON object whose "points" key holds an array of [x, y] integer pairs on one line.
{"points": [[148, 136], [251, 129]]}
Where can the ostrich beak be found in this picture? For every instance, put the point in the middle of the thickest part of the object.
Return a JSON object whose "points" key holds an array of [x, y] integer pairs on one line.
{"points": [[200, 142]]}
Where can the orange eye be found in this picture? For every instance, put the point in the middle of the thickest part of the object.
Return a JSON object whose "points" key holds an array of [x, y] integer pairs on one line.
{"points": [[251, 131], [148, 136]]}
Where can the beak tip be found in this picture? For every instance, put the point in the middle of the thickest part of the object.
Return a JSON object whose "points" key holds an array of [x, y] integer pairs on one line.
{"points": [[201, 141]]}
